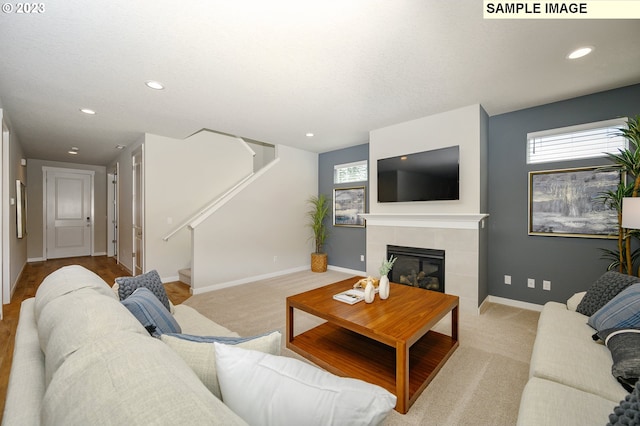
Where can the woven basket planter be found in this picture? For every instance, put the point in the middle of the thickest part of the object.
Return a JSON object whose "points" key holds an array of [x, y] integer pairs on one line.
{"points": [[319, 262]]}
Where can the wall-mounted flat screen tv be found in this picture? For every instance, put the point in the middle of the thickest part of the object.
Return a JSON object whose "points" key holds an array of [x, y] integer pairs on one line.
{"points": [[421, 176]]}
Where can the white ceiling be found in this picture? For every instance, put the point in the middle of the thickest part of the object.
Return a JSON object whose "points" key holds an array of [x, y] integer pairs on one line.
{"points": [[274, 70]]}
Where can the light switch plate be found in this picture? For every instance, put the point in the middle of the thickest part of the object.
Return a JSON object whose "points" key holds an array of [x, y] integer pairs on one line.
{"points": [[531, 283]]}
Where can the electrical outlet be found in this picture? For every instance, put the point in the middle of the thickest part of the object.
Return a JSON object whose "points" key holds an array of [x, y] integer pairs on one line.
{"points": [[546, 285], [531, 283], [362, 258], [507, 279]]}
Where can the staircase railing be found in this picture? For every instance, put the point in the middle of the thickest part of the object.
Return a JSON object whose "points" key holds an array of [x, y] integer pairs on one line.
{"points": [[201, 215], [206, 208]]}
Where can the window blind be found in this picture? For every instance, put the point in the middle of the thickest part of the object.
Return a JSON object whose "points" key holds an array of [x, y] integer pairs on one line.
{"points": [[350, 172], [590, 140]]}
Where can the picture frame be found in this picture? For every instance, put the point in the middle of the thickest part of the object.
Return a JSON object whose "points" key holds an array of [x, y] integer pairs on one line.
{"points": [[348, 203], [21, 209], [566, 202]]}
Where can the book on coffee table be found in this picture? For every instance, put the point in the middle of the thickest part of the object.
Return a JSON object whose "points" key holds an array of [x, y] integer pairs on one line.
{"points": [[351, 296]]}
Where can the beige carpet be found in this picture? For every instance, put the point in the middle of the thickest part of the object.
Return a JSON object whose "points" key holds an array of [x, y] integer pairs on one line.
{"points": [[480, 384]]}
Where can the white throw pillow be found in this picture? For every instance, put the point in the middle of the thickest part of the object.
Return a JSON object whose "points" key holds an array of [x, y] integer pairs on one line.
{"points": [[200, 354], [265, 389], [574, 301]]}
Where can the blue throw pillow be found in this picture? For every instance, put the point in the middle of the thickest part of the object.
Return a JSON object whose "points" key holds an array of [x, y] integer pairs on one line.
{"points": [[150, 280], [623, 311], [152, 314]]}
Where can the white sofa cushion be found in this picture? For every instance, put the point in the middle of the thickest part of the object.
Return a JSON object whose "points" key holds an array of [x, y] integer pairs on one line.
{"points": [[548, 403], [193, 322], [80, 317], [66, 280], [130, 379], [564, 352], [200, 354], [26, 381], [273, 390]]}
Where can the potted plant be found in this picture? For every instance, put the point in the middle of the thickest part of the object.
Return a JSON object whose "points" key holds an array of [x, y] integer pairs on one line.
{"points": [[628, 162], [318, 211]]}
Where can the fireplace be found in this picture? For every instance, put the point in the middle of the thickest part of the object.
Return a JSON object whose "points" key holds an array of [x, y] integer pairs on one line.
{"points": [[417, 267]]}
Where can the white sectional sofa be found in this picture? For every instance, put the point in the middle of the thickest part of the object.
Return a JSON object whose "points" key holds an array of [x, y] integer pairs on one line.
{"points": [[102, 367], [82, 358], [570, 376]]}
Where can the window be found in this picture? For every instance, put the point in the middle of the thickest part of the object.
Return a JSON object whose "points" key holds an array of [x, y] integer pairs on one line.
{"points": [[350, 172], [590, 140]]}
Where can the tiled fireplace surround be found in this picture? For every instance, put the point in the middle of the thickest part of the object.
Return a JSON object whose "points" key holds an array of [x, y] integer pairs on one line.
{"points": [[459, 235]]}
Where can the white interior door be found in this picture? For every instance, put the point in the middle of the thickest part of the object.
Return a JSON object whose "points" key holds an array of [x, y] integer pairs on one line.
{"points": [[69, 214], [138, 213]]}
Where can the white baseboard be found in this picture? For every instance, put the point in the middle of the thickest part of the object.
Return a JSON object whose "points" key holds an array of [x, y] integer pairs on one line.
{"points": [[36, 259], [347, 270], [511, 302], [99, 253], [248, 280], [169, 279]]}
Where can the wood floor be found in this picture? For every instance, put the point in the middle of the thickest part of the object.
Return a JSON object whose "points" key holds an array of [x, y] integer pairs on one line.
{"points": [[28, 283]]}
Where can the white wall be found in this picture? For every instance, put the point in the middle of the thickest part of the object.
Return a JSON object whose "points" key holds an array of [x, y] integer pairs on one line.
{"points": [[461, 127], [181, 177], [14, 249], [262, 231]]}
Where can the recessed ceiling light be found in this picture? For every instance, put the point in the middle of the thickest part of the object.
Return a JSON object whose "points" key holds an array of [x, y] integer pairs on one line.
{"points": [[404, 157], [155, 85], [579, 53], [309, 135], [120, 147], [88, 111], [73, 150]]}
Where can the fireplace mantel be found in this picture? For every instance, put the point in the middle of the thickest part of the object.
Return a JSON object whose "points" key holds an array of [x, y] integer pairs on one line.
{"points": [[427, 220]]}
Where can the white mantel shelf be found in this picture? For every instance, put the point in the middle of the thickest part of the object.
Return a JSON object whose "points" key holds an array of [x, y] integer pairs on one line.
{"points": [[427, 220]]}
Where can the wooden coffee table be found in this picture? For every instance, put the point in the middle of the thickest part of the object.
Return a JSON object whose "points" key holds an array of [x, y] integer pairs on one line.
{"points": [[388, 342]]}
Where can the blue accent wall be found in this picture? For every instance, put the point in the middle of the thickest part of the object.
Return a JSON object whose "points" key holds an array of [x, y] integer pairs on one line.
{"points": [[571, 264], [344, 244]]}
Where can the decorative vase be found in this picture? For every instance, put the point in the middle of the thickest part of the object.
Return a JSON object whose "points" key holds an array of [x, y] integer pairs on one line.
{"points": [[369, 292], [383, 287]]}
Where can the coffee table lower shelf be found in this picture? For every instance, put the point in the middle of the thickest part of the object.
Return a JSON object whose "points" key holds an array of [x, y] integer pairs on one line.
{"points": [[346, 353]]}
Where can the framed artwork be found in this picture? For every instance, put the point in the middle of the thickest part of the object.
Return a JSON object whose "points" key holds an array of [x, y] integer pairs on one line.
{"points": [[21, 209], [565, 203], [347, 204]]}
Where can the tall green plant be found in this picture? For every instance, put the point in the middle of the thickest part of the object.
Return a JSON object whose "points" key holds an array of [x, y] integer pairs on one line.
{"points": [[627, 161], [613, 200], [318, 211]]}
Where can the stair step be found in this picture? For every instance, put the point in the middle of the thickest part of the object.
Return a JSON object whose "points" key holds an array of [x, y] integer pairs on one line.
{"points": [[184, 275]]}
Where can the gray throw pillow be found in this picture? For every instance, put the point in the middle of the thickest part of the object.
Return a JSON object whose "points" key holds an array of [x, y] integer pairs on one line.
{"points": [[150, 280], [624, 345], [603, 290], [628, 412]]}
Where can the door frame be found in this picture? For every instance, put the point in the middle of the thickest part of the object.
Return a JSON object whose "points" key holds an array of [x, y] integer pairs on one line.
{"points": [[5, 260], [91, 174], [137, 198], [113, 210]]}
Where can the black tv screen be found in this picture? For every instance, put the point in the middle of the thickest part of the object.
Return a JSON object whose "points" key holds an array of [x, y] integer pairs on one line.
{"points": [[421, 176]]}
